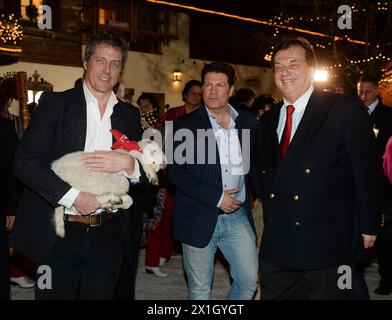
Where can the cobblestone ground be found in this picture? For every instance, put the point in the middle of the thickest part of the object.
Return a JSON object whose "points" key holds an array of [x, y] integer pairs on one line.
{"points": [[173, 287]]}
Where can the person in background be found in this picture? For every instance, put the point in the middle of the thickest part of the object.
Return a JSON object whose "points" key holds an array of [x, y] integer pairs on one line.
{"points": [[387, 160], [159, 240], [193, 99], [243, 99], [262, 104], [380, 116], [8, 142], [149, 112], [17, 266]]}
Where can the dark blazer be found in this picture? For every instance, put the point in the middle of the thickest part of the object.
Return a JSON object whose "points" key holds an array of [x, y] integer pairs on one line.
{"points": [[199, 186], [321, 197], [58, 127], [381, 118], [8, 142], [8, 197]]}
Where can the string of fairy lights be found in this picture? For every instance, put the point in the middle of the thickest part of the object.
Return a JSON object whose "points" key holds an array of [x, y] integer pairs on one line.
{"points": [[382, 7], [11, 33]]}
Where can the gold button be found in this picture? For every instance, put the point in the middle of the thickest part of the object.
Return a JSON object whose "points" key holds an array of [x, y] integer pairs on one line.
{"points": [[296, 197], [272, 195], [297, 223], [307, 171]]}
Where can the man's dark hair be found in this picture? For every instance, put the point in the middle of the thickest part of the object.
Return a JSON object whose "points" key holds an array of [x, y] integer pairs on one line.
{"points": [[262, 100], [244, 95], [108, 38], [149, 97], [188, 87], [219, 67], [367, 77], [301, 42]]}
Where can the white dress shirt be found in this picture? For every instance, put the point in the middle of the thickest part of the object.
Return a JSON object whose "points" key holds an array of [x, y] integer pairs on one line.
{"points": [[372, 106], [300, 106], [98, 138], [230, 155]]}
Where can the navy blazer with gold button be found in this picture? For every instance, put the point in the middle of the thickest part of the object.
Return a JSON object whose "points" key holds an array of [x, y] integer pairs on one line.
{"points": [[322, 195]]}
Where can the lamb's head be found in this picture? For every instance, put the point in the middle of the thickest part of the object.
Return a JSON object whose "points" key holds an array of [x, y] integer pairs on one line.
{"points": [[147, 151], [153, 154]]}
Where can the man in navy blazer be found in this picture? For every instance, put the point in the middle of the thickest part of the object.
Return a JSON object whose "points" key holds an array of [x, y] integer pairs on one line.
{"points": [[85, 264], [211, 207], [317, 178]]}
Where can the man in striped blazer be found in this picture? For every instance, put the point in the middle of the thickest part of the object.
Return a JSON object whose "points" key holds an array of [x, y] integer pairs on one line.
{"points": [[211, 207]]}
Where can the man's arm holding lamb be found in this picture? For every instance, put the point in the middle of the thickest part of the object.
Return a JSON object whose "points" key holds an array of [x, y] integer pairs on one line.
{"points": [[102, 161]]}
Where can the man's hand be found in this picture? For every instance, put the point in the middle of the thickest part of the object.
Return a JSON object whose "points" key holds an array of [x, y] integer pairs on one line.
{"points": [[368, 241], [86, 203], [9, 222], [230, 204], [109, 161]]}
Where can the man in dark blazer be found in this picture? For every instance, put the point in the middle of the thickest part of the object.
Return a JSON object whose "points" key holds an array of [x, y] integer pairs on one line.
{"points": [[317, 179], [381, 119], [8, 199], [211, 207], [85, 264]]}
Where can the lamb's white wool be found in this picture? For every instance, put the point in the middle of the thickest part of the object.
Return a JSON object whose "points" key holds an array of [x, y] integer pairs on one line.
{"points": [[110, 188]]}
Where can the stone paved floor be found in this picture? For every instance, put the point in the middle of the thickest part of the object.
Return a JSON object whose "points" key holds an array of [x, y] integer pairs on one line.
{"points": [[173, 287]]}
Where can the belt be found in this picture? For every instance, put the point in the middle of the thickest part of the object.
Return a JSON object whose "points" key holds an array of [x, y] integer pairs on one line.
{"points": [[220, 211], [93, 220]]}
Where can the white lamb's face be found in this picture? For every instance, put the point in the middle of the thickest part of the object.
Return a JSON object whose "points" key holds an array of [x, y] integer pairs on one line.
{"points": [[154, 156]]}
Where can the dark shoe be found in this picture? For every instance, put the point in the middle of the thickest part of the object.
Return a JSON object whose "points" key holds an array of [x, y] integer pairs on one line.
{"points": [[383, 290]]}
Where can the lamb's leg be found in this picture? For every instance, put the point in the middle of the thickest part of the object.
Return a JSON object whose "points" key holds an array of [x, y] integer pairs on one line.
{"points": [[58, 221], [108, 199], [111, 201], [126, 202]]}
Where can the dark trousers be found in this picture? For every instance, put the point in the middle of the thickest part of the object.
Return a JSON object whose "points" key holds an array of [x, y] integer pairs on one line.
{"points": [[281, 284], [85, 264], [125, 288], [384, 256], [4, 263]]}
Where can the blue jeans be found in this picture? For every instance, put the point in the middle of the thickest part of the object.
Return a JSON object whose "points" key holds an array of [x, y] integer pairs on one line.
{"points": [[234, 236]]}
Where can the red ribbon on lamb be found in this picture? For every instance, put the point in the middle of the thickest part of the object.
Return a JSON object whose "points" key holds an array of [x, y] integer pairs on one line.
{"points": [[122, 142]]}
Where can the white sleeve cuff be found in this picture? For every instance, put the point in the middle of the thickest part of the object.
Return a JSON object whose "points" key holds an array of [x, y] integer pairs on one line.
{"points": [[135, 177], [220, 200], [69, 198]]}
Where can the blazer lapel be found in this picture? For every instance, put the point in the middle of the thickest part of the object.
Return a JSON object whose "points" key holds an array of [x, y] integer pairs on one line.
{"points": [[239, 125], [117, 121], [80, 113], [313, 116], [274, 136], [204, 123]]}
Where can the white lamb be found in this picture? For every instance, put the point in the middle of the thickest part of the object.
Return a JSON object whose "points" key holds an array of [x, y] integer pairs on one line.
{"points": [[111, 189]]}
